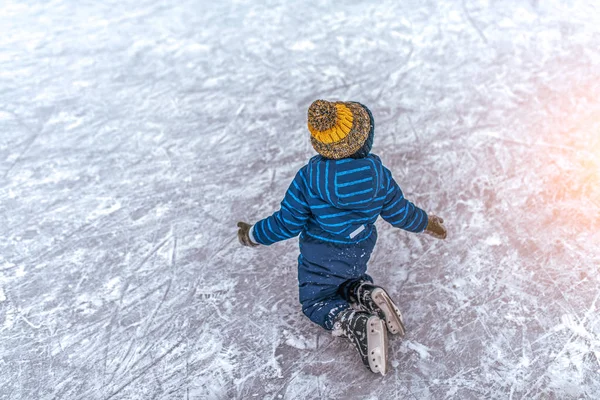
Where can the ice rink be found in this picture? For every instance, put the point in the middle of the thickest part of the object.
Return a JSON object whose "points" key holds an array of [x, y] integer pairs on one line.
{"points": [[135, 134]]}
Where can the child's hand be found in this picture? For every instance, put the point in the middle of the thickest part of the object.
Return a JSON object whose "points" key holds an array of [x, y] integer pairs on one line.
{"points": [[244, 234], [435, 227]]}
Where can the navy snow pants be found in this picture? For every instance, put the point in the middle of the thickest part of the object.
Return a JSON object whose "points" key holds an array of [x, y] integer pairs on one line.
{"points": [[325, 271]]}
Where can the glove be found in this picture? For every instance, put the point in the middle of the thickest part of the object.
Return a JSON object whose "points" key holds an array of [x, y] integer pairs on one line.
{"points": [[244, 234], [435, 227]]}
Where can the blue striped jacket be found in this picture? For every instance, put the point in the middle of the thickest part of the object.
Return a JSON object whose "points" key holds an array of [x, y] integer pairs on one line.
{"points": [[338, 201]]}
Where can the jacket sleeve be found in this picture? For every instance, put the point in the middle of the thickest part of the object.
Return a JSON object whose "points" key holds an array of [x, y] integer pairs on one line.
{"points": [[400, 212], [289, 220]]}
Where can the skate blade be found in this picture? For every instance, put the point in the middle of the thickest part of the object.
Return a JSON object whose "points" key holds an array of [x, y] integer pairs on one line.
{"points": [[377, 345], [393, 317]]}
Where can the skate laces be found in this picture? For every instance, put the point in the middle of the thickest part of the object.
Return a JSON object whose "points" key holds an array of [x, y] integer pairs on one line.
{"points": [[365, 301], [363, 296]]}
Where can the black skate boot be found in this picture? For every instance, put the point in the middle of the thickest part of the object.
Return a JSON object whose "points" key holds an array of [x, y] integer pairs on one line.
{"points": [[368, 333], [374, 299]]}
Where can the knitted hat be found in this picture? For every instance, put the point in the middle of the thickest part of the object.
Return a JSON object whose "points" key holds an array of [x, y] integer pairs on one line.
{"points": [[338, 129]]}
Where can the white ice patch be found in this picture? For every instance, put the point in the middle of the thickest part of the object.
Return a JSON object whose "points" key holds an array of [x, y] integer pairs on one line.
{"points": [[55, 176], [81, 84], [87, 305], [9, 319], [334, 71], [493, 241], [198, 47], [69, 120], [105, 208], [20, 272], [161, 210], [458, 282], [2, 295], [303, 45], [570, 322], [299, 341], [419, 348], [113, 288], [212, 82]]}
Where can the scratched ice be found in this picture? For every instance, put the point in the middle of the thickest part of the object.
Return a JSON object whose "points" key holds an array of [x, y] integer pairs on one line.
{"points": [[135, 134]]}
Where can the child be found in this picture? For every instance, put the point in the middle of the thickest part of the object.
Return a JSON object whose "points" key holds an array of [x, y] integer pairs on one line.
{"points": [[333, 203]]}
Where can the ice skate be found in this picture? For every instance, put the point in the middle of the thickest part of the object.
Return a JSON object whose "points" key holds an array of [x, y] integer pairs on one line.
{"points": [[375, 299], [369, 336]]}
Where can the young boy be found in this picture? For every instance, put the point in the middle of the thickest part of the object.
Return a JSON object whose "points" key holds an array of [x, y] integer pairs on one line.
{"points": [[333, 203]]}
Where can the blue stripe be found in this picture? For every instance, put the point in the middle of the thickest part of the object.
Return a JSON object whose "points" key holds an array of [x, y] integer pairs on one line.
{"points": [[301, 175], [358, 202], [355, 182], [336, 215], [405, 214], [287, 221], [414, 220], [267, 233], [403, 217], [393, 204], [301, 219], [338, 241], [381, 169], [296, 185], [286, 204], [319, 186], [288, 208], [310, 193], [371, 210], [321, 206], [374, 167], [344, 161], [326, 181], [397, 212], [391, 190], [295, 232], [256, 233], [264, 233], [349, 222], [273, 231], [297, 199], [351, 171], [420, 218], [355, 193], [350, 212]]}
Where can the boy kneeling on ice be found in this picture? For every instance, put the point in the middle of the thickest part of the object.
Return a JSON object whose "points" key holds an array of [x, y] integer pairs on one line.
{"points": [[333, 203]]}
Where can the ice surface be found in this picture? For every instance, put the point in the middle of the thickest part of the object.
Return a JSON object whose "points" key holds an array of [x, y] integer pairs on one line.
{"points": [[135, 134]]}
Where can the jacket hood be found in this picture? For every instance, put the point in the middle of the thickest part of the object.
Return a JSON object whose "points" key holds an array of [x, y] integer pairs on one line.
{"points": [[347, 183]]}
